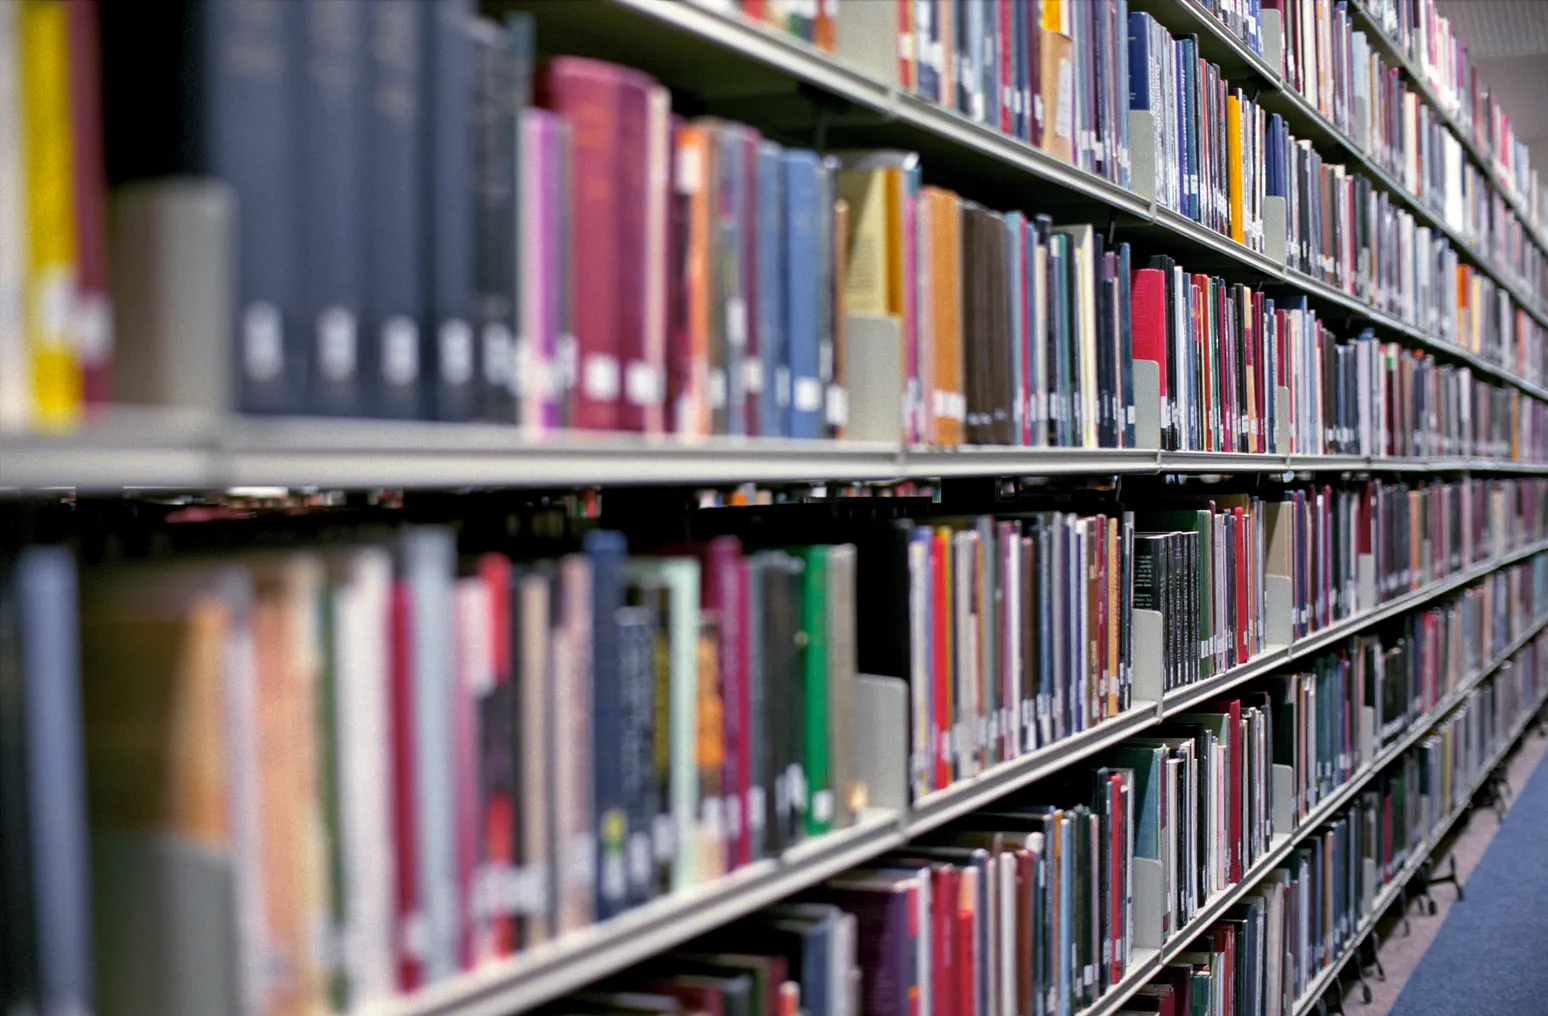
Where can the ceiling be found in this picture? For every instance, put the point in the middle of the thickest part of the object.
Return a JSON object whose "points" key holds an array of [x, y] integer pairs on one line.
{"points": [[1508, 43]]}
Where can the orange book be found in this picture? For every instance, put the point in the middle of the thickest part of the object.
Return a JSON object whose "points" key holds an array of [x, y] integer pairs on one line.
{"points": [[1058, 91], [948, 400], [292, 855]]}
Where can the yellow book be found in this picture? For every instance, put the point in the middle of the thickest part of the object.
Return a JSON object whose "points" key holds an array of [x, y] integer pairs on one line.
{"points": [[50, 213], [873, 186], [866, 285], [1234, 164], [1053, 16]]}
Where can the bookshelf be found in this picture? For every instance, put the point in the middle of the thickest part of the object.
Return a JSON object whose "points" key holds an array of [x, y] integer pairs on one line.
{"points": [[726, 65]]}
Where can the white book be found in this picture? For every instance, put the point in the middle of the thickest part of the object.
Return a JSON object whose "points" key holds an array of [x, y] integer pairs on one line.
{"points": [[363, 734]]}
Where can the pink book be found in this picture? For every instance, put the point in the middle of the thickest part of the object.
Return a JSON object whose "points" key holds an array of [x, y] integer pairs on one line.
{"points": [[544, 199]]}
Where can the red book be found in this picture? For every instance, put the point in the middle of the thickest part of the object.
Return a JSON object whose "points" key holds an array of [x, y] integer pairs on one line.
{"points": [[906, 56], [725, 580], [967, 957], [940, 641], [93, 314], [405, 818], [638, 402], [1147, 311], [946, 887], [605, 107], [697, 997]]}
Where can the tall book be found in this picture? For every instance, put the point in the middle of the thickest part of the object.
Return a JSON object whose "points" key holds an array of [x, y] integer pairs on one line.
{"points": [[392, 358], [451, 269], [328, 177]]}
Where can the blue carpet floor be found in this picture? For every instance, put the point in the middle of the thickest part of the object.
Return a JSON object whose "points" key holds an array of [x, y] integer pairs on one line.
{"points": [[1491, 955]]}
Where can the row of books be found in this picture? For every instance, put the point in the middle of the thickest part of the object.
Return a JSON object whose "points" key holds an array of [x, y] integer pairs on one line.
{"points": [[749, 327], [1339, 72], [1334, 880], [1222, 353], [1263, 956], [1210, 141], [461, 758], [1333, 232], [1048, 72], [466, 754], [999, 662], [1426, 35], [1038, 903]]}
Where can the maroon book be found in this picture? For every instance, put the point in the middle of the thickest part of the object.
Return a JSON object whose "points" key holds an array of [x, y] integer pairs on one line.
{"points": [[93, 311], [596, 99]]}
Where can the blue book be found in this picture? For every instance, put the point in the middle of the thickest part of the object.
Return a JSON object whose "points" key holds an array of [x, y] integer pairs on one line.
{"points": [[247, 139], [774, 409], [331, 47], [1139, 62], [48, 630], [802, 282], [607, 554], [927, 33], [453, 367], [392, 220], [1015, 229]]}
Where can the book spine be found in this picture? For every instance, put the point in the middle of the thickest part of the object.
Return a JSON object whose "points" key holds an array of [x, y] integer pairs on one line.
{"points": [[803, 282], [16, 394], [636, 401], [605, 550], [774, 403], [451, 271], [496, 230], [588, 95], [392, 197], [250, 144], [327, 175], [92, 311]]}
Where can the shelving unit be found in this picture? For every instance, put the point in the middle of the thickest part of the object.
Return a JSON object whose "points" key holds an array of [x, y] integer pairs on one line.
{"points": [[729, 63]]}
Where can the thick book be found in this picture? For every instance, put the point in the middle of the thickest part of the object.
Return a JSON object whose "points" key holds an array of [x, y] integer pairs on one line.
{"points": [[392, 196], [453, 368], [172, 108], [328, 175]]}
